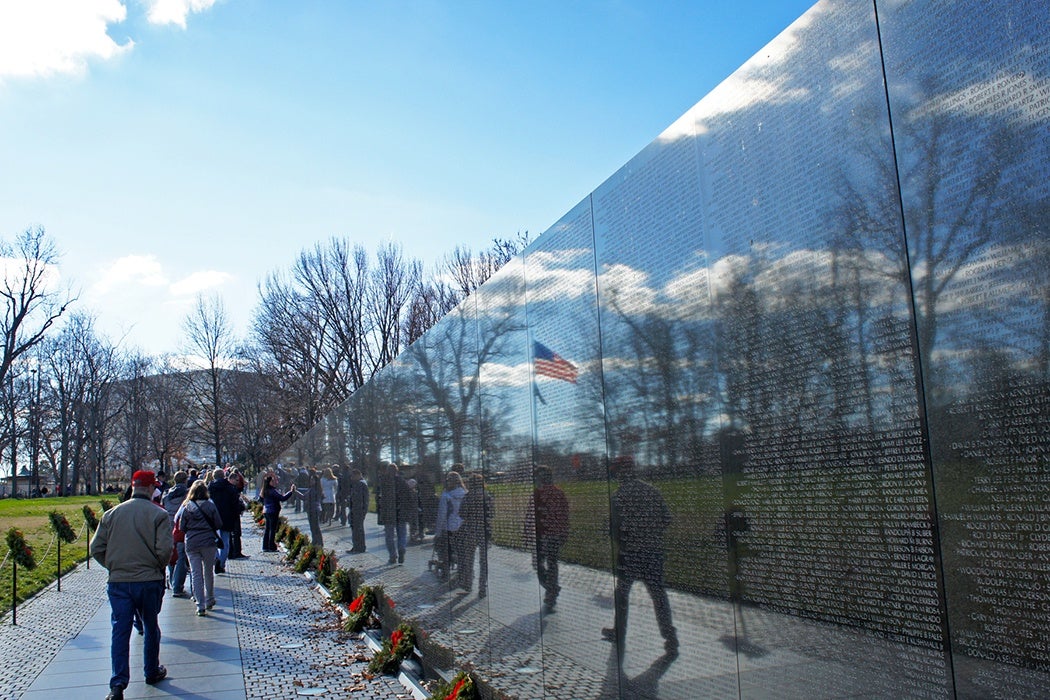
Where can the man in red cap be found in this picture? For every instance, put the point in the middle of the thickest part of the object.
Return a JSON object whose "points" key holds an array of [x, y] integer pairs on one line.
{"points": [[134, 542]]}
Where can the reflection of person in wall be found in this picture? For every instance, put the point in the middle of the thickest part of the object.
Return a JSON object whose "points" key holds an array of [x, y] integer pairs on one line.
{"points": [[477, 509], [639, 518], [392, 505], [546, 529], [449, 535], [357, 500]]}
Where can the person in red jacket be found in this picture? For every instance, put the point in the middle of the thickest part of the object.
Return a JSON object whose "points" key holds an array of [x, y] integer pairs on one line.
{"points": [[546, 529]]}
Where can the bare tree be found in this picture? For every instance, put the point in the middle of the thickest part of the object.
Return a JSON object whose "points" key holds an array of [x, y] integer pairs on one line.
{"points": [[30, 305], [169, 415], [210, 341]]}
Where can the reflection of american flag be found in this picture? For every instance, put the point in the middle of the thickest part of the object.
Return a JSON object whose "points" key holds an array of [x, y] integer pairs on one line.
{"points": [[551, 364]]}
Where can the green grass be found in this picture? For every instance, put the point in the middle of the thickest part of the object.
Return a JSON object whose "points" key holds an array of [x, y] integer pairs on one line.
{"points": [[31, 517]]}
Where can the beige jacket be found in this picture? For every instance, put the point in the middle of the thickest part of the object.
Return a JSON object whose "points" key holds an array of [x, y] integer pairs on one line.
{"points": [[133, 541]]}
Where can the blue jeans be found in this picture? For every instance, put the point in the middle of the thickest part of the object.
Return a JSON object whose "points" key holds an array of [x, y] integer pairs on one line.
{"points": [[126, 599], [396, 539], [224, 553], [182, 567]]}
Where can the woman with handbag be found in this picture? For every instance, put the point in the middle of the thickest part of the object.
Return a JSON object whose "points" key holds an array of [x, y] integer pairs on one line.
{"points": [[198, 518]]}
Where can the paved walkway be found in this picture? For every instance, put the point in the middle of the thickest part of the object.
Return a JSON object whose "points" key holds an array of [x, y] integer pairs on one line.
{"points": [[269, 636], [272, 636]]}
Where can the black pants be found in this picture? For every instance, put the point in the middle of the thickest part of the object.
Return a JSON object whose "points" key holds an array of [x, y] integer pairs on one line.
{"points": [[357, 532], [547, 551], [270, 531], [647, 567]]}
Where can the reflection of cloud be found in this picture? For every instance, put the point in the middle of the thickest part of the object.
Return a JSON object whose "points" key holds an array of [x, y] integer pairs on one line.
{"points": [[496, 374], [39, 38], [199, 282], [175, 11], [553, 272], [627, 289]]}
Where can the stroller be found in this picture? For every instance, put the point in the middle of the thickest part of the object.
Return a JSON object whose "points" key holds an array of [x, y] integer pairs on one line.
{"points": [[442, 562]]}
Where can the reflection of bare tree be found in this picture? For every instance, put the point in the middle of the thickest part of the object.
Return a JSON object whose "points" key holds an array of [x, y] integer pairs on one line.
{"points": [[671, 384], [447, 361]]}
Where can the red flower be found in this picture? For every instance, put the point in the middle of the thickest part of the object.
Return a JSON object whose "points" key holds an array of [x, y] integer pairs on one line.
{"points": [[390, 602], [358, 602], [395, 638]]}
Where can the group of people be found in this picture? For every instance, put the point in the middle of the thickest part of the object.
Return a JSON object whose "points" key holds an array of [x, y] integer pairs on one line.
{"points": [[193, 527], [190, 526], [329, 494]]}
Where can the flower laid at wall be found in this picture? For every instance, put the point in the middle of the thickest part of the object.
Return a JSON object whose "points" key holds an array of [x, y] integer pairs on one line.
{"points": [[21, 552], [90, 518], [461, 687], [62, 527], [361, 609], [396, 648]]}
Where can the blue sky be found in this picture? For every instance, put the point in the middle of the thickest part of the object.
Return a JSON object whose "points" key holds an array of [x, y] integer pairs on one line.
{"points": [[173, 147]]}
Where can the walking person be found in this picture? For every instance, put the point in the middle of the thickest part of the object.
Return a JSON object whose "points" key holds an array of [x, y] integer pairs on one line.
{"points": [[546, 529], [392, 504], [639, 518], [358, 501], [227, 501], [133, 542], [172, 501], [198, 518], [272, 500], [478, 509]]}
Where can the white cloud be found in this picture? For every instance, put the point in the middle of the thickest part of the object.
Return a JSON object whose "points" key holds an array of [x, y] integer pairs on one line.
{"points": [[130, 271], [175, 11], [200, 282], [40, 38]]}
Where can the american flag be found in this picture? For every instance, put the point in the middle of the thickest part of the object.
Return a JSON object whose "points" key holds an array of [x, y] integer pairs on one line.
{"points": [[551, 364]]}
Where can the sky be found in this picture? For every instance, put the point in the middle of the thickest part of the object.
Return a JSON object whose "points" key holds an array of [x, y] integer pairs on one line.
{"points": [[181, 147]]}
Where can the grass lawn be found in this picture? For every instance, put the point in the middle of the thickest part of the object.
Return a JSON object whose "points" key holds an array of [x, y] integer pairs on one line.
{"points": [[31, 517]]}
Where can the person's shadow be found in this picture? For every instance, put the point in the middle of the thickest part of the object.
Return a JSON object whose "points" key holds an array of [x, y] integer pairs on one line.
{"points": [[645, 685]]}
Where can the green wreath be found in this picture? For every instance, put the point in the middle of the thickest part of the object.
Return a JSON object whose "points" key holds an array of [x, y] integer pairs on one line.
{"points": [[396, 649], [90, 518], [21, 552], [361, 609], [62, 527], [461, 687], [326, 567]]}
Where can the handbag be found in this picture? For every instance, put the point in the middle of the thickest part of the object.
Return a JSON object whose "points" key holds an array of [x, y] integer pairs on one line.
{"points": [[218, 540]]}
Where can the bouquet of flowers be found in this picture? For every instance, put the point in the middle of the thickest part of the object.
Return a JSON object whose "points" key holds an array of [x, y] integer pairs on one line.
{"points": [[21, 552], [62, 527], [395, 649]]}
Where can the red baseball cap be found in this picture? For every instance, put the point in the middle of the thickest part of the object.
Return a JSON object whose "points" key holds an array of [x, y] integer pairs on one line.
{"points": [[144, 478]]}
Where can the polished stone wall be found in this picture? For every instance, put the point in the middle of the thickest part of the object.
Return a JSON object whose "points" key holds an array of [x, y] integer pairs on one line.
{"points": [[790, 366]]}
